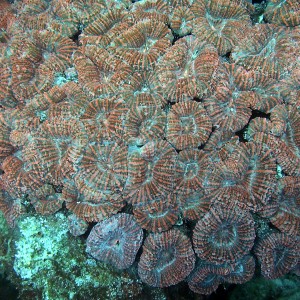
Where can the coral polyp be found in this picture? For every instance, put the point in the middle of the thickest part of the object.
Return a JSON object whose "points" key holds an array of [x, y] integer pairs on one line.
{"points": [[167, 258], [224, 235], [115, 240]]}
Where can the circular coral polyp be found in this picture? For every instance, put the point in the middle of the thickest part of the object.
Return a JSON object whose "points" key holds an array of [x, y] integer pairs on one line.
{"points": [[167, 259], [224, 234], [159, 215], [115, 240], [278, 253], [188, 125]]}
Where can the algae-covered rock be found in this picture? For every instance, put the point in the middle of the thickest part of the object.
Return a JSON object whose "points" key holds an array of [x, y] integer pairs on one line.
{"points": [[51, 264], [285, 288], [5, 244]]}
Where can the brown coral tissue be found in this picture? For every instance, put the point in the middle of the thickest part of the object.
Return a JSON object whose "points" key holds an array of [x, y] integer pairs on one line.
{"points": [[168, 131]]}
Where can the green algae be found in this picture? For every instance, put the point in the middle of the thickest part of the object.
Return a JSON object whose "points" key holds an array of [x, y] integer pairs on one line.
{"points": [[48, 263], [5, 245], [285, 288]]}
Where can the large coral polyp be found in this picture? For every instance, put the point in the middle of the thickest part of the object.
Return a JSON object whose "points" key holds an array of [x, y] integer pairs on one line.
{"points": [[224, 235], [115, 240], [221, 22], [57, 145], [167, 258], [187, 69]]}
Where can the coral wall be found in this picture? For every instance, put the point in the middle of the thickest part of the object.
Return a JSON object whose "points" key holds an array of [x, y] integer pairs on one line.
{"points": [[172, 124]]}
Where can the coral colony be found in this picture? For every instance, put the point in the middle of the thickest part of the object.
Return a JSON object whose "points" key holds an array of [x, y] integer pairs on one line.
{"points": [[169, 129]]}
